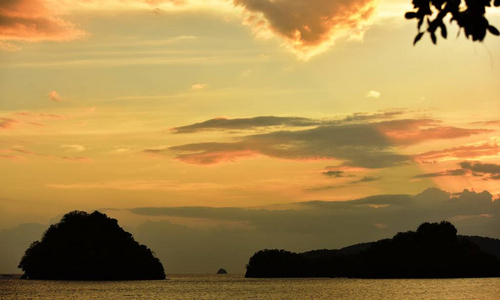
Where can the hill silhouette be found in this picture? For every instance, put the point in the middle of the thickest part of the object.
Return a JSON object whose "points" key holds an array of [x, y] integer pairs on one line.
{"points": [[85, 246], [433, 251]]}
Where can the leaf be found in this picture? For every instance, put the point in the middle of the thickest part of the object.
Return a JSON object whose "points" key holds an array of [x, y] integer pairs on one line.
{"points": [[418, 37], [493, 30], [444, 32], [420, 22], [433, 38], [410, 15]]}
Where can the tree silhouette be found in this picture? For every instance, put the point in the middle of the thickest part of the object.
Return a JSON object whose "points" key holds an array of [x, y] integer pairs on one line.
{"points": [[85, 246], [433, 251], [468, 14]]}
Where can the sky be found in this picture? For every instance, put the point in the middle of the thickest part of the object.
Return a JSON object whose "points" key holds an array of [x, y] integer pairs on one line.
{"points": [[215, 128]]}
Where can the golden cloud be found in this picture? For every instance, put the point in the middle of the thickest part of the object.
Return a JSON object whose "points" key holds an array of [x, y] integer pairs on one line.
{"points": [[309, 27]]}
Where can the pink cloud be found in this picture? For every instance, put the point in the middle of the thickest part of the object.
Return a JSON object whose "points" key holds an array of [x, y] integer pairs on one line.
{"points": [[39, 115], [7, 123], [412, 131], [54, 96], [10, 157], [33, 21], [380, 225], [488, 123], [209, 158], [21, 149], [462, 152], [78, 159]]}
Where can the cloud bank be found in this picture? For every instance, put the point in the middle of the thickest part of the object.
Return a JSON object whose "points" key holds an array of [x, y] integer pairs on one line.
{"points": [[204, 239], [308, 226]]}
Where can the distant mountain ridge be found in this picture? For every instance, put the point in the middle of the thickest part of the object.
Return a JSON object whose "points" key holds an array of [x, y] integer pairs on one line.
{"points": [[433, 251], [486, 244]]}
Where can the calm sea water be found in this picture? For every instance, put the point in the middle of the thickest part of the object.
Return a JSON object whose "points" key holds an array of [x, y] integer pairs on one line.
{"points": [[237, 287]]}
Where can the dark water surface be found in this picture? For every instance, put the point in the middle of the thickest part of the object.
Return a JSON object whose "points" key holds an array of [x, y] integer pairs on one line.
{"points": [[237, 287]]}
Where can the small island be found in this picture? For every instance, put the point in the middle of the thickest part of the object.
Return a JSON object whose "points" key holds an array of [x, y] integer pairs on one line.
{"points": [[85, 246], [433, 251], [221, 271]]}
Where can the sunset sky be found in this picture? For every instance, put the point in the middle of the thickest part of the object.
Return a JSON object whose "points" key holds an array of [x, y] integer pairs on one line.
{"points": [[248, 123]]}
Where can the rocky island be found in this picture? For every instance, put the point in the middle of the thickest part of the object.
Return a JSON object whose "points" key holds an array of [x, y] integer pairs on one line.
{"points": [[433, 251], [85, 246]]}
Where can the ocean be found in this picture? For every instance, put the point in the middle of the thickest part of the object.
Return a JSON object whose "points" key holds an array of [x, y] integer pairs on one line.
{"points": [[238, 287]]}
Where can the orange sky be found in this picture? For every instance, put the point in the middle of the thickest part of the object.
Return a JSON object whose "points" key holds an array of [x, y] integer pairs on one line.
{"points": [[117, 105]]}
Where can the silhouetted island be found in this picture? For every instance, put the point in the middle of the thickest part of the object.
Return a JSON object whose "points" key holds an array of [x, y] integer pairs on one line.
{"points": [[221, 271], [433, 251], [85, 246]]}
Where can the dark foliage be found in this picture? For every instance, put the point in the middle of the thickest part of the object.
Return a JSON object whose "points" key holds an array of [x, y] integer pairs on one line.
{"points": [[433, 251], [221, 271], [92, 246], [469, 16]]}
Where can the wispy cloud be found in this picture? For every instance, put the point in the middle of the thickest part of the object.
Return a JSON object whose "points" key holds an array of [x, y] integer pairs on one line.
{"points": [[340, 174], [27, 114], [82, 159], [223, 123], [54, 96], [366, 179], [412, 131], [487, 123], [19, 151], [477, 169], [10, 157], [471, 151], [455, 172], [8, 123], [73, 148], [120, 150], [333, 173], [140, 185], [489, 171], [21, 118]]}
